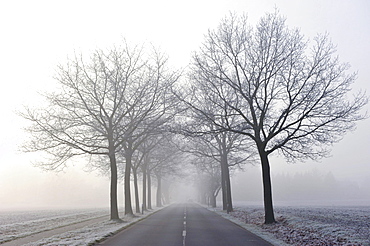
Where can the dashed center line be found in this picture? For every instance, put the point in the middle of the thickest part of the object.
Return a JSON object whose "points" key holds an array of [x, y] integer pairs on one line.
{"points": [[184, 231]]}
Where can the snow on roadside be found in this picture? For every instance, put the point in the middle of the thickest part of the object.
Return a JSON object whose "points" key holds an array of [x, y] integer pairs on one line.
{"points": [[87, 235], [92, 234], [8, 217], [14, 225], [254, 228], [301, 226]]}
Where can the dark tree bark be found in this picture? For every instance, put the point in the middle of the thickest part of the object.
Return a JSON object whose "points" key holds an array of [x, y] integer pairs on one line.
{"points": [[159, 191], [225, 173], [136, 187], [149, 189], [212, 200], [135, 167], [113, 187], [223, 187], [128, 206], [229, 201], [267, 187], [144, 169], [166, 192]]}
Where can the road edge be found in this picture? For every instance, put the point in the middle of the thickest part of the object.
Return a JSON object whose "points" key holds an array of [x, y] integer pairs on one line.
{"points": [[269, 237], [129, 224]]}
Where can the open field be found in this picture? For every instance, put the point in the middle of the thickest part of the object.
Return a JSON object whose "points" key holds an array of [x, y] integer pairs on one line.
{"points": [[60, 227], [297, 225], [308, 225]]}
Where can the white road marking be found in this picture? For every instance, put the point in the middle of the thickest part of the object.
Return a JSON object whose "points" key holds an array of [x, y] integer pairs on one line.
{"points": [[184, 231]]}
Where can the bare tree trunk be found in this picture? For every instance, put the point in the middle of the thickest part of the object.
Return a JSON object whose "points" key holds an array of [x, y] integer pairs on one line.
{"points": [[267, 190], [225, 163], [202, 198], [149, 191], [223, 188], [113, 186], [144, 187], [137, 200], [228, 188], [214, 195], [212, 199], [225, 174], [159, 191], [166, 192], [128, 207]]}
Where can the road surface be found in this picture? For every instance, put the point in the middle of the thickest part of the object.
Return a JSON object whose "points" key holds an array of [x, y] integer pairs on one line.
{"points": [[185, 225]]}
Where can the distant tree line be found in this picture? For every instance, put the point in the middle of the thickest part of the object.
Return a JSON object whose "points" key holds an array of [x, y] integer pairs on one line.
{"points": [[314, 186], [248, 93], [310, 186]]}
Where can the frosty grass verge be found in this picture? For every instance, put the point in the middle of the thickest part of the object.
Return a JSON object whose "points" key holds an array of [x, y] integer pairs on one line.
{"points": [[20, 226], [302, 226]]}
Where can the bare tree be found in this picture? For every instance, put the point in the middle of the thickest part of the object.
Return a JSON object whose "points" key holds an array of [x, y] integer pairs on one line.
{"points": [[151, 110], [226, 149], [86, 115], [145, 151], [141, 159], [202, 107], [165, 159], [208, 179], [101, 108], [288, 97]]}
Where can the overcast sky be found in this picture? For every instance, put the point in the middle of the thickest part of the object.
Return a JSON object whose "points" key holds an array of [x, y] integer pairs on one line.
{"points": [[37, 35]]}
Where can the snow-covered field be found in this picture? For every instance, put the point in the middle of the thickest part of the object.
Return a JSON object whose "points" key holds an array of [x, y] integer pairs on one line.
{"points": [[297, 225], [21, 224], [310, 225]]}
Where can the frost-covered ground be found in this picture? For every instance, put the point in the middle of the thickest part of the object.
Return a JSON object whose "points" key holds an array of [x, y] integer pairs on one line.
{"points": [[20, 225], [310, 225], [297, 225]]}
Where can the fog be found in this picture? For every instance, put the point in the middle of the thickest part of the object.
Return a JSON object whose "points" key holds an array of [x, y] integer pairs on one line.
{"points": [[38, 35]]}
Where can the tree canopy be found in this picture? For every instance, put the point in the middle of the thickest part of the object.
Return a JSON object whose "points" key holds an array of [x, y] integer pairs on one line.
{"points": [[284, 93]]}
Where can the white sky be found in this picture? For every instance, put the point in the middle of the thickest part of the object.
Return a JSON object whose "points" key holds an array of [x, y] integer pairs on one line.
{"points": [[37, 35]]}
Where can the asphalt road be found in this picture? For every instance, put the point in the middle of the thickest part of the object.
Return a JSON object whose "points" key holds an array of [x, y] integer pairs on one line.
{"points": [[185, 225]]}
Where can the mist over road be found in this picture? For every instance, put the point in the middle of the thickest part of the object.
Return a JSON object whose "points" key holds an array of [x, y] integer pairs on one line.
{"points": [[185, 224]]}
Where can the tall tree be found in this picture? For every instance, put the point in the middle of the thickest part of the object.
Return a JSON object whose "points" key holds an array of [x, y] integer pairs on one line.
{"points": [[202, 107], [145, 151], [208, 179], [86, 115], [141, 161], [165, 161], [288, 96], [106, 104], [151, 109], [227, 149]]}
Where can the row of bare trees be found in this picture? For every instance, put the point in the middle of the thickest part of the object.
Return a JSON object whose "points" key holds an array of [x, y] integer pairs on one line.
{"points": [[107, 105], [251, 92], [157, 157], [272, 89], [214, 155]]}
